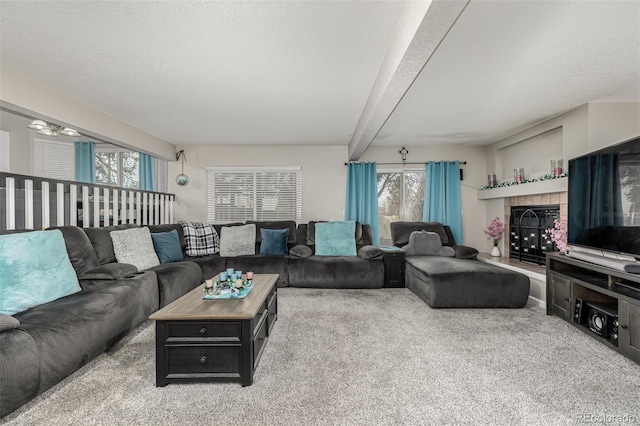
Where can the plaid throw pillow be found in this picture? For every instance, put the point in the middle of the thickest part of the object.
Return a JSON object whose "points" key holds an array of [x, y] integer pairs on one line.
{"points": [[200, 239]]}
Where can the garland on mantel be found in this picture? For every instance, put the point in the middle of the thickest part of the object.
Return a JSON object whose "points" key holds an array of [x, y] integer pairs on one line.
{"points": [[541, 178]]}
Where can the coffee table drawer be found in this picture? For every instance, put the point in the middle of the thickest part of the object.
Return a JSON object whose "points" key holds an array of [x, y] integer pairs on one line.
{"points": [[258, 343], [227, 331], [203, 359]]}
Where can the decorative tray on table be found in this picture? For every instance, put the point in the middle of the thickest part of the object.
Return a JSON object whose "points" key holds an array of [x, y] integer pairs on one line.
{"points": [[227, 291]]}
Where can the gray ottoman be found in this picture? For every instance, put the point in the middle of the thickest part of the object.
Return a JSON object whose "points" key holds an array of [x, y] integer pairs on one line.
{"points": [[447, 282]]}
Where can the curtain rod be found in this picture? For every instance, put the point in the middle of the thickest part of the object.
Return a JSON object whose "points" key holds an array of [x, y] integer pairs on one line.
{"points": [[394, 164]]}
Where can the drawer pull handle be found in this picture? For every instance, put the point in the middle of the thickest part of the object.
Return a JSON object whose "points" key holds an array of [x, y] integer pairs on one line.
{"points": [[203, 359], [566, 299], [623, 326], [203, 331], [261, 339]]}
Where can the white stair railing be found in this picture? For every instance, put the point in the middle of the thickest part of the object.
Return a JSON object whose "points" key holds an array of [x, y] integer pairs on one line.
{"points": [[30, 202]]}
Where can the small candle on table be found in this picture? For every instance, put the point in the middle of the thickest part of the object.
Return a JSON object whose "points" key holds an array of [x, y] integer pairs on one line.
{"points": [[208, 283], [229, 271], [223, 276], [238, 283], [249, 275]]}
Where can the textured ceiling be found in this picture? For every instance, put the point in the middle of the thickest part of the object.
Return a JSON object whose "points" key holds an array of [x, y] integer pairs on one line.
{"points": [[506, 65], [208, 72], [301, 72]]}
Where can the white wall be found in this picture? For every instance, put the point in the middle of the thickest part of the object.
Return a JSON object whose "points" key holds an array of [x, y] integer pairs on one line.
{"points": [[324, 176], [473, 214], [26, 95], [20, 143], [612, 122], [584, 129]]}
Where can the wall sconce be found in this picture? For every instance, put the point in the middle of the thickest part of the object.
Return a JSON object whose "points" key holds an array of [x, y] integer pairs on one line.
{"points": [[182, 179], [403, 152]]}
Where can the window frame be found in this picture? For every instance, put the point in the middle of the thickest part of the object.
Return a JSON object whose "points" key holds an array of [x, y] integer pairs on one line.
{"points": [[211, 194], [402, 171], [119, 151]]}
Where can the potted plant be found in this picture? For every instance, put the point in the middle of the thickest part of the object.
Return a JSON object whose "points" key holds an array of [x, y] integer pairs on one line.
{"points": [[558, 235], [494, 232]]}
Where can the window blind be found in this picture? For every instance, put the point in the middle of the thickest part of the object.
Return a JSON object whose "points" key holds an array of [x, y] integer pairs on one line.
{"points": [[241, 194], [162, 175], [54, 160]]}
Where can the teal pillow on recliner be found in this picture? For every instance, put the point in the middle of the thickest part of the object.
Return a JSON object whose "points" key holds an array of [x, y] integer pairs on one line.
{"points": [[336, 238], [34, 269]]}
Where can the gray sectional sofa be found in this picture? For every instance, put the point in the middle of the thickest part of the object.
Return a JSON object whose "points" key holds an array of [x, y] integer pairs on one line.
{"points": [[457, 280], [52, 340]]}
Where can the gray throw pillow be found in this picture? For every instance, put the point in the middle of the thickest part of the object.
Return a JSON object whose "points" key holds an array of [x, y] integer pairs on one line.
{"points": [[301, 251], [134, 246], [238, 240], [7, 322], [370, 252], [464, 252], [423, 243]]}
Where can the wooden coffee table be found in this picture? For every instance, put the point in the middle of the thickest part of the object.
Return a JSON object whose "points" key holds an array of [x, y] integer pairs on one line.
{"points": [[215, 340]]}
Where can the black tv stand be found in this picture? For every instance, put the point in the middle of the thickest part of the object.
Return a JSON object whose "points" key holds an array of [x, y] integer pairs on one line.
{"points": [[576, 288]]}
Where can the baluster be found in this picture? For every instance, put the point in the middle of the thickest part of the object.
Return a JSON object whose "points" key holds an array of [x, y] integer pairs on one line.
{"points": [[96, 207], [156, 210], [145, 208], [123, 207], [105, 208], [10, 197], [60, 204], [85, 207], [162, 210], [73, 206], [116, 216], [131, 207], [138, 207], [44, 192], [28, 204]]}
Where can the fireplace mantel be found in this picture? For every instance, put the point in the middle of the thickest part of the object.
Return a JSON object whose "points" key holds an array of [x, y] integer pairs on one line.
{"points": [[531, 188]]}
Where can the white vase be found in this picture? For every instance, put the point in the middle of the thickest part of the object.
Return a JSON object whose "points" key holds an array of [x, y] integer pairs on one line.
{"points": [[495, 251]]}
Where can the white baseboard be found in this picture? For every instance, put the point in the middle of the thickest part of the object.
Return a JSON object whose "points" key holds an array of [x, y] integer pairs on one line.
{"points": [[535, 301]]}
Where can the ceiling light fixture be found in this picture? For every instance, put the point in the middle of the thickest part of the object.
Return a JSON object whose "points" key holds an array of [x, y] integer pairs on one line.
{"points": [[49, 129], [182, 179]]}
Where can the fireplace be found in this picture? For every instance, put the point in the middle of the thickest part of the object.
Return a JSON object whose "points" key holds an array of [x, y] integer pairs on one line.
{"points": [[528, 240]]}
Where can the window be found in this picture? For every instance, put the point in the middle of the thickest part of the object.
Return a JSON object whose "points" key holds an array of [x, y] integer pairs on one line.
{"points": [[117, 168], [162, 175], [254, 193], [54, 160], [114, 166], [400, 198]]}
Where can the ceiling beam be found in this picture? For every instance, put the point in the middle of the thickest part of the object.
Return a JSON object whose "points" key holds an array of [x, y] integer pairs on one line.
{"points": [[421, 28]]}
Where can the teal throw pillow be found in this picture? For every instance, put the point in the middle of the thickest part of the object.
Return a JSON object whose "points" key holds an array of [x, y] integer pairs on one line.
{"points": [[274, 241], [336, 238], [167, 246], [35, 269]]}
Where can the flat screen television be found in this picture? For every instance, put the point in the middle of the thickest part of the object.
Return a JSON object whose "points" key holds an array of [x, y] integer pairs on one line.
{"points": [[604, 199]]}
